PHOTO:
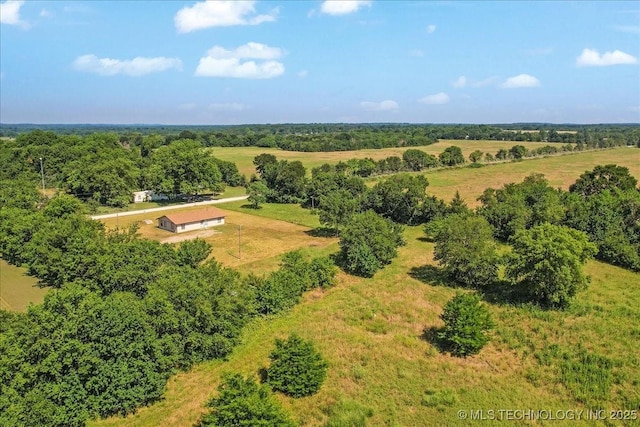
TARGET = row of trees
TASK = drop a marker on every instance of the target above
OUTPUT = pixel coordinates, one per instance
(102, 168)
(344, 136)
(126, 312)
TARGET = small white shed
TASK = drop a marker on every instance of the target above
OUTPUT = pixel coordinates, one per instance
(192, 220)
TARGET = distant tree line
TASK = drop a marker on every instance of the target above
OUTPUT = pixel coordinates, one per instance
(125, 312)
(339, 137)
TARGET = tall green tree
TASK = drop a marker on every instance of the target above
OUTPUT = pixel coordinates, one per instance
(183, 168)
(547, 260)
(258, 193)
(465, 248)
(369, 242)
(399, 198)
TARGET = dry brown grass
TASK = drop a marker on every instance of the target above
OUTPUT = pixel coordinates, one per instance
(560, 171)
(243, 156)
(260, 238)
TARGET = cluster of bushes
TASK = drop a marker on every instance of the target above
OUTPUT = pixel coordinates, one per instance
(297, 369)
(105, 169)
(283, 181)
(283, 288)
(603, 203)
(125, 314)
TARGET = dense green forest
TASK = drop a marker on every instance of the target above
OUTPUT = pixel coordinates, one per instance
(105, 169)
(339, 137)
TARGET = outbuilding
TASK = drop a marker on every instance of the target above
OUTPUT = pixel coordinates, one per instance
(148, 196)
(192, 220)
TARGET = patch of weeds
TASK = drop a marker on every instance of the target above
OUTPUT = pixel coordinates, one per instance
(588, 376)
(348, 413)
(377, 326)
(439, 398)
(358, 372)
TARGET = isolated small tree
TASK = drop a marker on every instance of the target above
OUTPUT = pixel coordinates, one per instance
(465, 248)
(466, 324)
(548, 260)
(258, 192)
(297, 369)
(518, 151)
(475, 156)
(451, 156)
(244, 403)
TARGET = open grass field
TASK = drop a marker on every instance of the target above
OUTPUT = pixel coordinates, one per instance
(372, 331)
(243, 156)
(17, 289)
(560, 171)
(377, 333)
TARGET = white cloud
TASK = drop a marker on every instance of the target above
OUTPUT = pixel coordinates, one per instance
(431, 28)
(435, 99)
(221, 62)
(592, 58)
(134, 67)
(219, 13)
(460, 82)
(418, 53)
(521, 80)
(387, 105)
(10, 12)
(235, 106)
(343, 7)
(302, 74)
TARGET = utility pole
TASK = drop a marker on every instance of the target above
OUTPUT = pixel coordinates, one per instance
(42, 175)
(239, 247)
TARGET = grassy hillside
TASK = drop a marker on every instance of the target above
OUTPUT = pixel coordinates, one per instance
(375, 334)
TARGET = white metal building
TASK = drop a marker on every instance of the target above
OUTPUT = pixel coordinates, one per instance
(192, 220)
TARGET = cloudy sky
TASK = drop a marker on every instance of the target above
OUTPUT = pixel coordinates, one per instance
(235, 62)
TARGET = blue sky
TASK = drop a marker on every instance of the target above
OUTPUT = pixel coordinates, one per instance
(220, 62)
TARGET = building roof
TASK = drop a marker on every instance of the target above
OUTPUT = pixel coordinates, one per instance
(195, 216)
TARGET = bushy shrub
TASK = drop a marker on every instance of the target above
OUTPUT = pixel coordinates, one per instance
(297, 369)
(244, 403)
(466, 323)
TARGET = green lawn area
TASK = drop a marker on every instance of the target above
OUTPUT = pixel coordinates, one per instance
(17, 289)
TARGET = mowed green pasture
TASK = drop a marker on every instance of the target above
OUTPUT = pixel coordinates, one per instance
(17, 290)
(243, 156)
(372, 332)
